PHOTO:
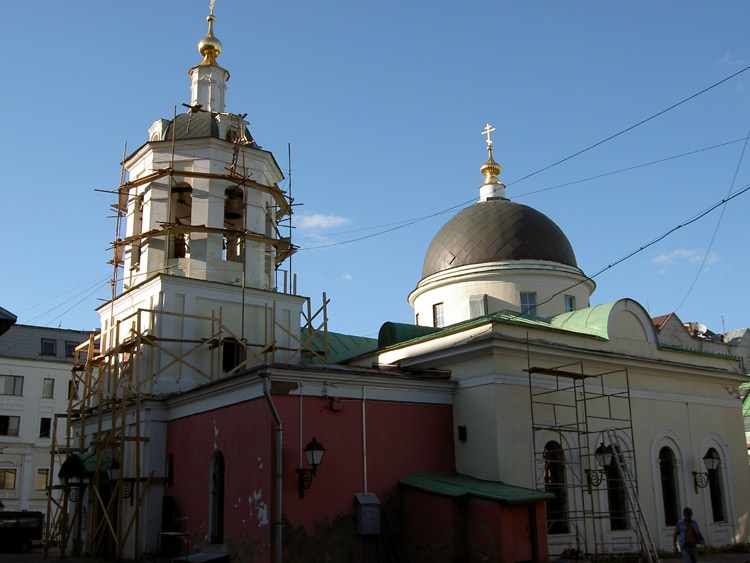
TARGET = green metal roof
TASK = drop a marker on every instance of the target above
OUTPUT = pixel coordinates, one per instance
(590, 322)
(746, 400)
(341, 347)
(455, 485)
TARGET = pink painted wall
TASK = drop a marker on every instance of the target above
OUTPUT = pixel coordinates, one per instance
(243, 435)
(441, 529)
(505, 532)
(435, 526)
(402, 438)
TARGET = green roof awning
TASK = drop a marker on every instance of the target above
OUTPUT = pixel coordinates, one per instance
(393, 333)
(455, 485)
(84, 465)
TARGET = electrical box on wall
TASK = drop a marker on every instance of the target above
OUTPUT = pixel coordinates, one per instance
(368, 514)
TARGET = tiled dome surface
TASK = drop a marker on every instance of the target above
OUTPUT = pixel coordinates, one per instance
(495, 230)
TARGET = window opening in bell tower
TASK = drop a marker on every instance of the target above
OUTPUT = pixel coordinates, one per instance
(181, 211)
(233, 223)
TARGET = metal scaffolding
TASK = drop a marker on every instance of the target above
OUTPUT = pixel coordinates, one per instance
(584, 453)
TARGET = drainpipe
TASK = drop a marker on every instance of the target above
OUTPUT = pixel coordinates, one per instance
(264, 374)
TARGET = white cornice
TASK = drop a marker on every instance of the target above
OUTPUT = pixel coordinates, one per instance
(222, 288)
(341, 384)
(477, 341)
(541, 382)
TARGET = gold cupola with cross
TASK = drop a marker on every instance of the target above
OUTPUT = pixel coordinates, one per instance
(498, 255)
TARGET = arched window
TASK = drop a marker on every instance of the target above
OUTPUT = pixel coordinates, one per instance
(554, 482)
(618, 504)
(715, 488)
(170, 470)
(668, 470)
(217, 498)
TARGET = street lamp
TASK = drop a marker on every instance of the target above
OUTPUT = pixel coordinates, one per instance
(712, 461)
(603, 457)
(313, 454)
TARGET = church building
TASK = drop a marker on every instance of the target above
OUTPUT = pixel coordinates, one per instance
(215, 413)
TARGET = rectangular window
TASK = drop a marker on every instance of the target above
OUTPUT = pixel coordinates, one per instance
(49, 347)
(9, 425)
(41, 479)
(528, 303)
(70, 349)
(7, 478)
(438, 320)
(477, 306)
(48, 388)
(11, 385)
(416, 321)
(44, 427)
(570, 303)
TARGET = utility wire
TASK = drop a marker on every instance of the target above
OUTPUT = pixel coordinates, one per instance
(76, 303)
(628, 169)
(55, 297)
(91, 288)
(648, 244)
(580, 152)
(662, 112)
(718, 224)
(408, 222)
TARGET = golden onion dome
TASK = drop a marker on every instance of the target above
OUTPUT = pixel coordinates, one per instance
(490, 169)
(210, 46)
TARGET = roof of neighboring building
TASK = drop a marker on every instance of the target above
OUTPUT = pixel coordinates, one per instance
(341, 347)
(455, 485)
(7, 320)
(661, 320)
(25, 342)
(497, 230)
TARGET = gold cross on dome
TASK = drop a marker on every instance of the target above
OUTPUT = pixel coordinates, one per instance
(487, 130)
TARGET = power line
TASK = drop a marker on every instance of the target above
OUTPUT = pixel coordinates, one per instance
(654, 116)
(651, 243)
(90, 288)
(408, 222)
(578, 153)
(718, 224)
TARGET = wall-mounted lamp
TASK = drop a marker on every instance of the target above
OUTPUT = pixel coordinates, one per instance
(314, 454)
(128, 483)
(603, 457)
(712, 461)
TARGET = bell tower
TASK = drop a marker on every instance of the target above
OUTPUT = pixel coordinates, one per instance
(201, 209)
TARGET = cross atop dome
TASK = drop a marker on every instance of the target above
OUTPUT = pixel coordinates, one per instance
(487, 130)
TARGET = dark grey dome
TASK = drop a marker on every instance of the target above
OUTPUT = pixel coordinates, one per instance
(195, 125)
(494, 230)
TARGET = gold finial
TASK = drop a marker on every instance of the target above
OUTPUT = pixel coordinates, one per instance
(210, 46)
(490, 169)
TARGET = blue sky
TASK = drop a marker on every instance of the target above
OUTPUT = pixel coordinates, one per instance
(383, 104)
